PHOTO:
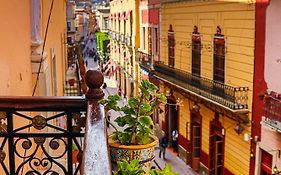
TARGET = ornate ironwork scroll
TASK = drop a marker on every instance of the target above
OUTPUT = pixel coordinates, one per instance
(41, 145)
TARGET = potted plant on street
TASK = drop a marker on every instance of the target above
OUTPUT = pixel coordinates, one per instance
(135, 140)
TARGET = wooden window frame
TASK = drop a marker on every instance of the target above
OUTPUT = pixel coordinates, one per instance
(219, 55)
(171, 47)
(196, 53)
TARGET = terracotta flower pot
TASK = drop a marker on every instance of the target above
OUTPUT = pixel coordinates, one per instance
(145, 153)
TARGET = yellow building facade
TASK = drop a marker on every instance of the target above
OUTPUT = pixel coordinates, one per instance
(124, 41)
(206, 71)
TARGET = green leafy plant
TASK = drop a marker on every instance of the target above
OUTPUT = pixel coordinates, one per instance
(135, 115)
(126, 168)
(166, 171)
(133, 168)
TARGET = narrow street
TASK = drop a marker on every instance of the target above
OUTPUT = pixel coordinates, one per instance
(91, 63)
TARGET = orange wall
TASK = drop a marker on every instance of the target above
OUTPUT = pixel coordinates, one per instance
(15, 64)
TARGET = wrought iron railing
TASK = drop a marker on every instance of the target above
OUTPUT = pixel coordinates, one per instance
(45, 135)
(128, 41)
(235, 98)
(272, 109)
(145, 60)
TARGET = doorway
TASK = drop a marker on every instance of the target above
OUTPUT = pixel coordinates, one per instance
(196, 134)
(216, 146)
(171, 118)
(196, 145)
(266, 163)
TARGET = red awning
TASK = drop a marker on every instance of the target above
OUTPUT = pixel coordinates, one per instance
(127, 14)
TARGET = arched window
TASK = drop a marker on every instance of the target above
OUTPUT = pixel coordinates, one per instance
(219, 57)
(171, 47)
(196, 52)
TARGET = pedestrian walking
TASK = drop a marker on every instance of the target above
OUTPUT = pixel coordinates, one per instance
(175, 136)
(163, 143)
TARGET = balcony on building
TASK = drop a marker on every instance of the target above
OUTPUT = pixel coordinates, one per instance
(232, 99)
(272, 110)
(145, 61)
(42, 135)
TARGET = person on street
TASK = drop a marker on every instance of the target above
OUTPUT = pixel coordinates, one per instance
(163, 143)
(175, 136)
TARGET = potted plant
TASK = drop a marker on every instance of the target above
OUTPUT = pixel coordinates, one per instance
(135, 140)
(133, 168)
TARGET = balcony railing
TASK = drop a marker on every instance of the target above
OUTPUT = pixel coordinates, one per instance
(122, 39)
(128, 41)
(54, 135)
(272, 110)
(144, 60)
(234, 98)
(117, 37)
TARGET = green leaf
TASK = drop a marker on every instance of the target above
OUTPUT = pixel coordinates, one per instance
(124, 137)
(144, 90)
(145, 121)
(114, 97)
(121, 121)
(145, 139)
(133, 102)
(166, 171)
(129, 120)
(128, 110)
(126, 168)
(145, 107)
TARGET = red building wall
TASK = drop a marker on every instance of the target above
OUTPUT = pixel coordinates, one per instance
(259, 82)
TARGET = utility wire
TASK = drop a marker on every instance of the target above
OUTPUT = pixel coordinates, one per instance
(40, 65)
(44, 43)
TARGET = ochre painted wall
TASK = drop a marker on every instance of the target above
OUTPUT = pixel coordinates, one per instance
(237, 21)
(15, 63)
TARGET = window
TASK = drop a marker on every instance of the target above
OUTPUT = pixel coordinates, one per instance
(219, 57)
(149, 40)
(119, 25)
(106, 23)
(54, 74)
(156, 40)
(124, 14)
(196, 52)
(35, 20)
(131, 23)
(171, 46)
(143, 37)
